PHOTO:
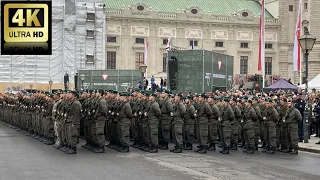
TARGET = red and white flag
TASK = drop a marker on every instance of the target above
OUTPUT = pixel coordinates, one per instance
(145, 52)
(296, 46)
(145, 58)
(168, 48)
(261, 38)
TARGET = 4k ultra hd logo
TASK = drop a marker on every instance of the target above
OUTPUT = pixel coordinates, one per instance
(26, 28)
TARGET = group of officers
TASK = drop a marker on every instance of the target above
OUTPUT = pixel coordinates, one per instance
(150, 121)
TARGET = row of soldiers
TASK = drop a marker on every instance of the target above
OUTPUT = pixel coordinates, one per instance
(51, 118)
(151, 120)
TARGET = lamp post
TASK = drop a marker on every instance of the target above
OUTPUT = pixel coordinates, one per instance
(50, 85)
(31, 86)
(82, 76)
(142, 69)
(306, 42)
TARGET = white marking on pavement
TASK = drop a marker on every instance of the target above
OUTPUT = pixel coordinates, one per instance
(189, 171)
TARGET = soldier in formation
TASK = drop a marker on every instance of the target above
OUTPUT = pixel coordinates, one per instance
(146, 120)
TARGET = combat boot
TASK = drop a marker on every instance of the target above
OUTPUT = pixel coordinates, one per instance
(199, 149)
(203, 150)
(142, 146)
(226, 151)
(242, 145)
(164, 146)
(125, 149)
(285, 150)
(135, 144)
(245, 149)
(235, 147)
(250, 150)
(99, 150)
(57, 146)
(62, 147)
(289, 150)
(72, 150)
(66, 149)
(153, 149)
(172, 150)
(212, 147)
(85, 145)
(224, 148)
(147, 148)
(271, 150)
(178, 150)
(188, 146)
(90, 146)
(51, 141)
(295, 150)
(266, 149)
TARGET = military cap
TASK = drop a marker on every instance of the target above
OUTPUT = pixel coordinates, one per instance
(226, 99)
(110, 91)
(270, 100)
(179, 95)
(154, 95)
(142, 91)
(74, 93)
(190, 97)
(238, 100)
(255, 98)
(57, 92)
(50, 95)
(167, 91)
(203, 95)
(172, 95)
(289, 100)
(245, 97)
(101, 91)
(233, 99)
(147, 94)
(284, 99)
(136, 90)
(159, 90)
(115, 92)
(249, 100)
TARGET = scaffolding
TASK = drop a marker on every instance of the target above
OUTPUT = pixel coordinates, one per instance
(70, 46)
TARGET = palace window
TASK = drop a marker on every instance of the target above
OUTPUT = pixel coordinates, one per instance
(111, 39)
(111, 59)
(268, 65)
(244, 45)
(139, 40)
(243, 64)
(139, 59)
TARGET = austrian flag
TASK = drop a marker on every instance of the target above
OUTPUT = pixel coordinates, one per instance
(296, 46)
(261, 38)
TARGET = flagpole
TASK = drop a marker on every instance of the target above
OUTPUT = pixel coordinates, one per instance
(300, 70)
(296, 47)
(168, 48)
(261, 63)
(264, 28)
